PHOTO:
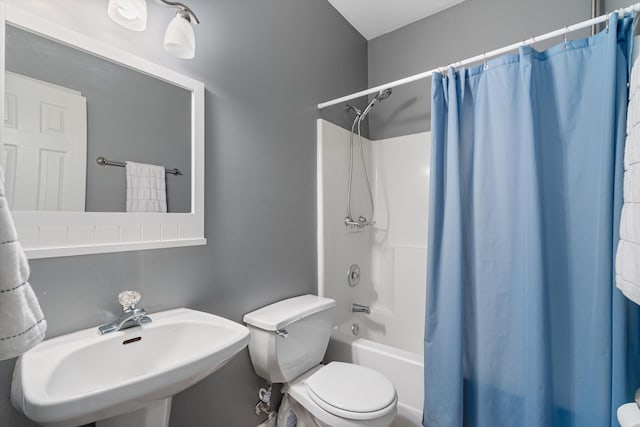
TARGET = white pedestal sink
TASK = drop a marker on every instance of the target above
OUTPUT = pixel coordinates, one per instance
(84, 377)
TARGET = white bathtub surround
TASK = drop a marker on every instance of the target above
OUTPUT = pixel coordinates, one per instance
(391, 256)
(399, 248)
(338, 249)
(22, 323)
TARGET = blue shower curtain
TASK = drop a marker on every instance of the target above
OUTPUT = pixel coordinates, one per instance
(523, 325)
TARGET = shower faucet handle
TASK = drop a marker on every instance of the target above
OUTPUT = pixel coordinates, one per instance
(353, 275)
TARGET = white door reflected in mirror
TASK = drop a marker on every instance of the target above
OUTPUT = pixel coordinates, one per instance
(45, 150)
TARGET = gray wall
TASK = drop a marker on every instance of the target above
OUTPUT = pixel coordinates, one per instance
(465, 30)
(609, 5)
(265, 65)
(130, 116)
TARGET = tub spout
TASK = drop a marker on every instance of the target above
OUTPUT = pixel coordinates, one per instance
(359, 308)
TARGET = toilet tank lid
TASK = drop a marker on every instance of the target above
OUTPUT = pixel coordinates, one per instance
(283, 313)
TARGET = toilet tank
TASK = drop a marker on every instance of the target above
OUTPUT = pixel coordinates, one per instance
(289, 337)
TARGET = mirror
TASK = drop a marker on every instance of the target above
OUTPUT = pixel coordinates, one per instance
(70, 100)
(66, 108)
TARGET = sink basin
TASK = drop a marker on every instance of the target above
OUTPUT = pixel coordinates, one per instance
(83, 376)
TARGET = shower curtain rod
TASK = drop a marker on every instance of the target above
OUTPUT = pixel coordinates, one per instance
(482, 57)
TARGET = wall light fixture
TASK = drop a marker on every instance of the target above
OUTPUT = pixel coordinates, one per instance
(131, 14)
(179, 38)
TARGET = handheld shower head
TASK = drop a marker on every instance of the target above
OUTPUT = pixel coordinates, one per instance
(362, 222)
(380, 96)
(384, 94)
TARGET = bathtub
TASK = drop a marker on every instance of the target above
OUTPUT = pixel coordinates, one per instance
(404, 369)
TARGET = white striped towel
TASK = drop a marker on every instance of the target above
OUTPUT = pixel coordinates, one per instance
(628, 254)
(146, 188)
(22, 323)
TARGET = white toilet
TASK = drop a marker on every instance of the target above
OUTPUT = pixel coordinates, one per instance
(288, 341)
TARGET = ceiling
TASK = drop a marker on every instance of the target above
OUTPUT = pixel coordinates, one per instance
(373, 18)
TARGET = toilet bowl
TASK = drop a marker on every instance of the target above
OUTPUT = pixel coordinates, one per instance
(288, 340)
(357, 396)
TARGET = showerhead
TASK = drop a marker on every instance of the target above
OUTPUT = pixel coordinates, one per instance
(380, 96)
(383, 94)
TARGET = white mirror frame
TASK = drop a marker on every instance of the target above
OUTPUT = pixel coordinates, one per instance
(55, 234)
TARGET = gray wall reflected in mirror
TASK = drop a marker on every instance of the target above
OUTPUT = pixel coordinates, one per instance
(130, 116)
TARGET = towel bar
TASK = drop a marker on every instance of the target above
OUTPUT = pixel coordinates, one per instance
(104, 162)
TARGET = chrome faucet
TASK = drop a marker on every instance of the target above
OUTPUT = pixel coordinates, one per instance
(130, 316)
(359, 308)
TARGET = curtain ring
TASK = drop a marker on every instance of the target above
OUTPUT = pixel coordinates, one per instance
(485, 66)
(607, 27)
(566, 33)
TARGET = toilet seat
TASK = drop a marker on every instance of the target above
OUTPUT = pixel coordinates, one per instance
(351, 391)
(300, 396)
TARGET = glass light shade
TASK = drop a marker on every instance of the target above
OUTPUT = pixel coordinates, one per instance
(179, 39)
(131, 14)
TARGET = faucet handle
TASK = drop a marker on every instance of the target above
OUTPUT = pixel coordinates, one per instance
(129, 299)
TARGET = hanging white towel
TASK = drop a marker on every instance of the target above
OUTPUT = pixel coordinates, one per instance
(22, 323)
(628, 254)
(146, 188)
